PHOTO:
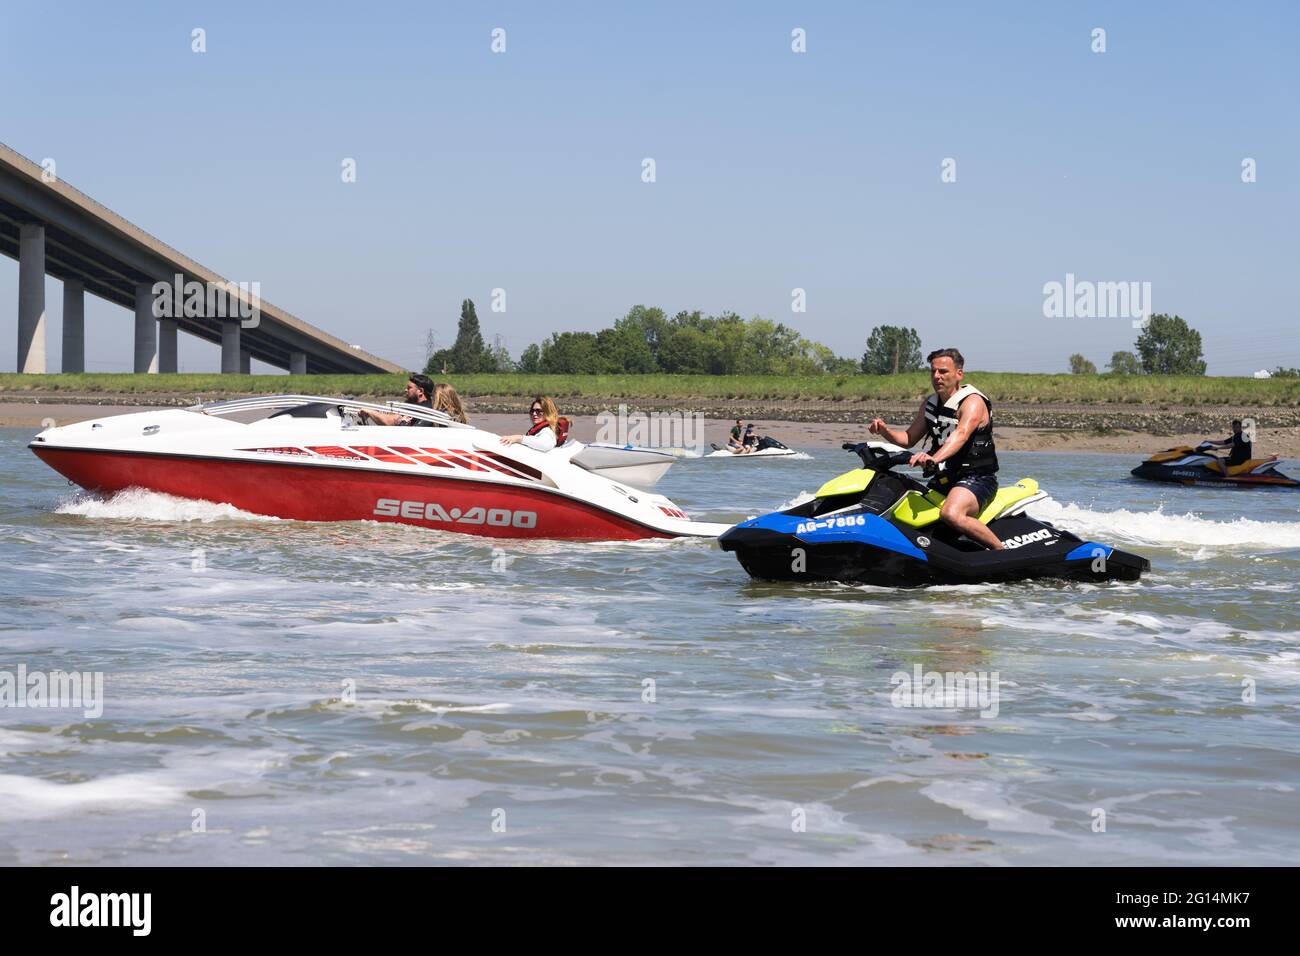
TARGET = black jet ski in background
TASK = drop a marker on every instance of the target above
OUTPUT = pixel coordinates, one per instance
(875, 526)
(1200, 466)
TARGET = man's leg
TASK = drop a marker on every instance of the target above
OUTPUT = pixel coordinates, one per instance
(960, 509)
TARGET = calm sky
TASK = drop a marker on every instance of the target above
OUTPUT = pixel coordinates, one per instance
(775, 170)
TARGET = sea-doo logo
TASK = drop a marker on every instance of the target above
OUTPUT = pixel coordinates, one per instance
(923, 541)
(432, 511)
(1022, 539)
(852, 521)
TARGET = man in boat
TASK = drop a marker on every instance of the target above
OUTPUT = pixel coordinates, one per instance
(1242, 450)
(958, 420)
(419, 391)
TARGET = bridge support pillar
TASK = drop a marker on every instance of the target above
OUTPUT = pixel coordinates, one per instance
(230, 350)
(245, 363)
(297, 363)
(31, 298)
(74, 325)
(167, 345)
(146, 330)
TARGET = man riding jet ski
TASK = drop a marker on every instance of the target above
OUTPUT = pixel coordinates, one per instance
(875, 527)
(1201, 466)
(958, 420)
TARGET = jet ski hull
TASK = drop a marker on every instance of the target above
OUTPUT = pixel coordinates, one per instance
(1203, 477)
(868, 549)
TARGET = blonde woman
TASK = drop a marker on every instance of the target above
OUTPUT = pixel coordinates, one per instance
(548, 428)
(446, 400)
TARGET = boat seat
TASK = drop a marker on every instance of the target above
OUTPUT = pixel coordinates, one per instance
(919, 510)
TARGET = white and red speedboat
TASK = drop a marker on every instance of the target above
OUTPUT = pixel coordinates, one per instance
(309, 459)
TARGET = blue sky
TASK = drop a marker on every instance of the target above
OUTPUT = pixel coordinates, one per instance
(775, 170)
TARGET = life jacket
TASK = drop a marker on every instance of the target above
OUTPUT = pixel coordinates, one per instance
(1241, 449)
(561, 429)
(978, 454)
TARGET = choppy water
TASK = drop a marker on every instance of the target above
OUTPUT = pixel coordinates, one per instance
(381, 694)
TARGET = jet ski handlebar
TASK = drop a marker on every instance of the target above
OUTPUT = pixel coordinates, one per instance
(877, 459)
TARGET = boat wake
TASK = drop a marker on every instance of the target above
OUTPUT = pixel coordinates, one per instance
(136, 504)
(1159, 528)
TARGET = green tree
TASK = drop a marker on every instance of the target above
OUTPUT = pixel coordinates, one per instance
(570, 353)
(468, 354)
(530, 360)
(1081, 366)
(1124, 363)
(1169, 346)
(439, 363)
(892, 349)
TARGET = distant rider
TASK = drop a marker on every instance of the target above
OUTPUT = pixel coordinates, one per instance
(1242, 450)
(958, 420)
(548, 428)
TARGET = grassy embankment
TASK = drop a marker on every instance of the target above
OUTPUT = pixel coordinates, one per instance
(1000, 386)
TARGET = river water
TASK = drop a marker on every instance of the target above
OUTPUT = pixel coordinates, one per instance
(279, 692)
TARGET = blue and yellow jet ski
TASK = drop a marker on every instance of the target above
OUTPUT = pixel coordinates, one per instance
(874, 526)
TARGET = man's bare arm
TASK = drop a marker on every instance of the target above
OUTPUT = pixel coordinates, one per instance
(904, 439)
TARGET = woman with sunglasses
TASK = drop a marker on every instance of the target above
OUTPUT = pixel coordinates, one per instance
(548, 428)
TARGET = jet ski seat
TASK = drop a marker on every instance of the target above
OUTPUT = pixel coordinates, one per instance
(919, 510)
(1244, 468)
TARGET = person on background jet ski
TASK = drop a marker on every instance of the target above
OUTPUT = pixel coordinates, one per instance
(958, 420)
(733, 440)
(1242, 450)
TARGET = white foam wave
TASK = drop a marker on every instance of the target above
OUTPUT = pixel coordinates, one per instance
(1158, 528)
(136, 504)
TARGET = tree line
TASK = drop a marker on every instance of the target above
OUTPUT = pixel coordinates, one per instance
(647, 341)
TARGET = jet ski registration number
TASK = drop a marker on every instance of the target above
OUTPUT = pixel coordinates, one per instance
(852, 521)
(432, 511)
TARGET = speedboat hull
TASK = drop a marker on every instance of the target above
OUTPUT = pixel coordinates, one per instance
(319, 468)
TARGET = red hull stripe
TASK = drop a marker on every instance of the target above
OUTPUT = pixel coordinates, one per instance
(321, 492)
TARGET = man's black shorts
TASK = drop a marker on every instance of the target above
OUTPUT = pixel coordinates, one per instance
(983, 485)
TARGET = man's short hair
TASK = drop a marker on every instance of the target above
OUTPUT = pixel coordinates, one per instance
(423, 383)
(1236, 423)
(953, 354)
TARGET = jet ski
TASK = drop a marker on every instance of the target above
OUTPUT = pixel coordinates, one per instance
(767, 448)
(310, 459)
(876, 526)
(1200, 466)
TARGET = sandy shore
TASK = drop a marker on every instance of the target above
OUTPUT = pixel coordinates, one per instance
(1069, 429)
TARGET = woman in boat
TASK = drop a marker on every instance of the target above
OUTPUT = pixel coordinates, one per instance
(446, 400)
(548, 428)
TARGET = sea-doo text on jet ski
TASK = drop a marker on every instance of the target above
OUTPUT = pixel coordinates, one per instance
(873, 526)
(311, 461)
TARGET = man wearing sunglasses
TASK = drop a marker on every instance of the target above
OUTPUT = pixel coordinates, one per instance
(419, 391)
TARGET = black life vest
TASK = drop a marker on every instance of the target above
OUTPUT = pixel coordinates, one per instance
(1241, 449)
(978, 455)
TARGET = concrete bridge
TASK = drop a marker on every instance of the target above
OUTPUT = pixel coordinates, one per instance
(49, 227)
